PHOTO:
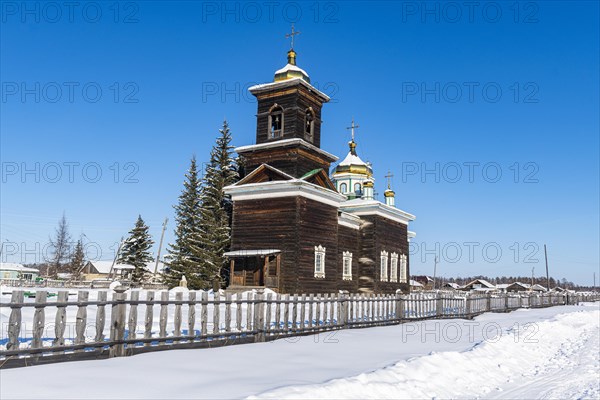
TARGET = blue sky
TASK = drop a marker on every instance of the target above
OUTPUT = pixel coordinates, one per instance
(488, 117)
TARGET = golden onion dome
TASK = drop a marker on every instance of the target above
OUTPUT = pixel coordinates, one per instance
(353, 164)
(291, 70)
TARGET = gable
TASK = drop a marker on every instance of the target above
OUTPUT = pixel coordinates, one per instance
(264, 173)
(320, 178)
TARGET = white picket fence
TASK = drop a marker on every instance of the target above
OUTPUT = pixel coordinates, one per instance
(78, 329)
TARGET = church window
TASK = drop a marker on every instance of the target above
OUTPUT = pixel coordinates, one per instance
(403, 274)
(343, 188)
(319, 261)
(383, 266)
(394, 267)
(347, 266)
(357, 188)
(309, 125)
(275, 122)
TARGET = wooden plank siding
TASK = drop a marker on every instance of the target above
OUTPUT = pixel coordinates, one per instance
(348, 240)
(294, 102)
(317, 226)
(268, 224)
(392, 237)
(292, 160)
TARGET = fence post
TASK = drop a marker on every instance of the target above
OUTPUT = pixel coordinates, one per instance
(488, 302)
(117, 332)
(39, 319)
(259, 316)
(399, 305)
(439, 305)
(468, 304)
(342, 309)
(14, 321)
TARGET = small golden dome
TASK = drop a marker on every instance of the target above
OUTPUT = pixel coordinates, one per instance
(291, 70)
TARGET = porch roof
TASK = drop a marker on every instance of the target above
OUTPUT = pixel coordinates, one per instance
(251, 253)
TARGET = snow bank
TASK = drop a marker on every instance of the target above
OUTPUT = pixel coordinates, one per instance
(551, 352)
(558, 358)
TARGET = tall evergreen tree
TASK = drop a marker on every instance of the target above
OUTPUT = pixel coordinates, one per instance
(185, 255)
(216, 207)
(77, 259)
(136, 249)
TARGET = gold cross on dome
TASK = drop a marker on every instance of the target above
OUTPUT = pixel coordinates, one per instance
(291, 35)
(389, 177)
(352, 128)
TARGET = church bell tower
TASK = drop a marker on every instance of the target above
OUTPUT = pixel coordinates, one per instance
(288, 122)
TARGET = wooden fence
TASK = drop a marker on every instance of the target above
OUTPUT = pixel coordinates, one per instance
(166, 320)
(58, 283)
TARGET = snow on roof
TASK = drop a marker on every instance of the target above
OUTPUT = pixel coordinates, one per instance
(352, 159)
(16, 267)
(251, 252)
(290, 67)
(537, 286)
(452, 285)
(104, 266)
(415, 283)
(521, 284)
(483, 282)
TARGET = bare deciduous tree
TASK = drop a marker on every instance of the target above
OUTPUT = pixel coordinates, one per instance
(60, 246)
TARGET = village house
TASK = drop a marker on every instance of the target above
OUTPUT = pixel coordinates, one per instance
(478, 285)
(104, 269)
(424, 280)
(17, 271)
(295, 227)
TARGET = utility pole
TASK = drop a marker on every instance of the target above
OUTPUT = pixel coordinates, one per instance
(116, 255)
(434, 271)
(2, 248)
(594, 287)
(162, 235)
(547, 276)
(532, 272)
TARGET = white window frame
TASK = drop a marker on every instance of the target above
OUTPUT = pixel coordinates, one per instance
(347, 261)
(403, 270)
(275, 110)
(394, 267)
(383, 266)
(319, 267)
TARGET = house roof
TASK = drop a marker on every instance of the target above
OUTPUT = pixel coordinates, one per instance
(452, 285)
(415, 283)
(104, 266)
(482, 282)
(522, 285)
(16, 267)
(250, 253)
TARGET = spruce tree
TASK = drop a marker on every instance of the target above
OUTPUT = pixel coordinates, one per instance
(77, 259)
(216, 207)
(185, 255)
(136, 250)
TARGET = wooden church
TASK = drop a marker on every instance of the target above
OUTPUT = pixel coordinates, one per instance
(295, 227)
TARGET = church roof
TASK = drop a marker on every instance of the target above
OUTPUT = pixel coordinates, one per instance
(291, 71)
(353, 163)
(292, 82)
(361, 206)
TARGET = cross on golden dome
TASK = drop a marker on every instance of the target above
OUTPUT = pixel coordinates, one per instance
(389, 177)
(291, 35)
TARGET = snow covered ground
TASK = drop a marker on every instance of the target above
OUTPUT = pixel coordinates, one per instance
(538, 353)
